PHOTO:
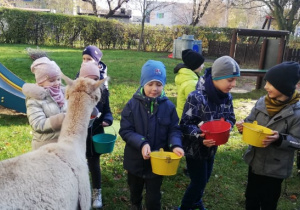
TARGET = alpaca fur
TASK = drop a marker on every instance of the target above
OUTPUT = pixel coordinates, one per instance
(55, 176)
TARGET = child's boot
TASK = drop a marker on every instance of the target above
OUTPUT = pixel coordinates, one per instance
(97, 198)
(136, 207)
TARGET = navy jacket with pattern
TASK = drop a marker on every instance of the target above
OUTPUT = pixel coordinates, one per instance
(199, 109)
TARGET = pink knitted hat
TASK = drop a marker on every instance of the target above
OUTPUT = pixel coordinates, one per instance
(44, 69)
(89, 69)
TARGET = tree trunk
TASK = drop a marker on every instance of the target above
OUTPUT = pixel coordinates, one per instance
(94, 8)
(141, 41)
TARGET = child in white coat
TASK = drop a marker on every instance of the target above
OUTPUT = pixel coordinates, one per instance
(45, 102)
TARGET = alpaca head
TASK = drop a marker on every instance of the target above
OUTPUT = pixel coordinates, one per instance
(85, 87)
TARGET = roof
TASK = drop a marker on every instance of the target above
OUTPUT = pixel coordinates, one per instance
(261, 32)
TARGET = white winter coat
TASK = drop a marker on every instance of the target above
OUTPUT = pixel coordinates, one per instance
(44, 115)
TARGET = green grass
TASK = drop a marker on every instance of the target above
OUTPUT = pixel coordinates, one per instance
(228, 181)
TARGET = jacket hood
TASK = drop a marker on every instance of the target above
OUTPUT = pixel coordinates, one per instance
(179, 66)
(34, 91)
(185, 74)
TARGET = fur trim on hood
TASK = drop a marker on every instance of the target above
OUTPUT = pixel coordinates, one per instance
(34, 91)
(178, 67)
(37, 92)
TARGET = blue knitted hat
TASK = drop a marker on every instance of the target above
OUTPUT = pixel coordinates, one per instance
(153, 71)
(94, 52)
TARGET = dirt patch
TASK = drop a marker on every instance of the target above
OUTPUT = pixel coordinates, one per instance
(245, 107)
(6, 111)
(244, 84)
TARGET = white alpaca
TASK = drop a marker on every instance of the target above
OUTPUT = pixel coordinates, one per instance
(56, 175)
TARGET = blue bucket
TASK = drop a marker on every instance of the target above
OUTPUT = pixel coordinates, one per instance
(104, 142)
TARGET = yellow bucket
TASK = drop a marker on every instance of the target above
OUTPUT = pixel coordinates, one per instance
(164, 163)
(254, 134)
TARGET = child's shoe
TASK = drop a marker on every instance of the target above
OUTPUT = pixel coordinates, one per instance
(180, 208)
(136, 207)
(97, 198)
(199, 205)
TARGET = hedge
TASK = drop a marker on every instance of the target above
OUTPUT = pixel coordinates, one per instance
(38, 28)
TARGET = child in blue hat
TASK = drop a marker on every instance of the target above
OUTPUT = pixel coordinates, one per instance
(148, 122)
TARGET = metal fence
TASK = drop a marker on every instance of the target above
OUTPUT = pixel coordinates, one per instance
(292, 54)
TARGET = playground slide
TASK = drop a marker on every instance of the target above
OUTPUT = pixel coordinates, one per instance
(11, 95)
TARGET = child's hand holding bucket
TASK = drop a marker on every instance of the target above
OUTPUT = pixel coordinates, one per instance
(207, 142)
(270, 139)
(178, 151)
(146, 151)
(105, 124)
(239, 125)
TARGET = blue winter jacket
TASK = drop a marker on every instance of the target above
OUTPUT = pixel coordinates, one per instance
(198, 108)
(147, 120)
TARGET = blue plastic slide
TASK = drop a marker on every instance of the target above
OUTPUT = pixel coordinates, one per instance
(11, 95)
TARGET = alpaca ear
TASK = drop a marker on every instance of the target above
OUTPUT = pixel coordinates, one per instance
(67, 79)
(98, 83)
(67, 93)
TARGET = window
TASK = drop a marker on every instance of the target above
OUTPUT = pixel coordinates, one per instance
(160, 15)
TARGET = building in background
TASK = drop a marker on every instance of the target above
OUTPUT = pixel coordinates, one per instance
(176, 13)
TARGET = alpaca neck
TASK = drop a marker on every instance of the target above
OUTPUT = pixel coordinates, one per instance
(75, 125)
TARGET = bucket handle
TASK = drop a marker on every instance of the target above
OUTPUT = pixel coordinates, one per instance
(112, 128)
(168, 159)
(260, 131)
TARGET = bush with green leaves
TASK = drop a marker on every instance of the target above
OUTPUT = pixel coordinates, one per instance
(29, 27)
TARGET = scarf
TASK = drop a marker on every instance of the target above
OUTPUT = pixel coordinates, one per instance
(213, 94)
(274, 106)
(57, 95)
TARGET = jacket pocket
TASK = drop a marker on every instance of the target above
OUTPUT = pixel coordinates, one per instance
(163, 126)
(277, 165)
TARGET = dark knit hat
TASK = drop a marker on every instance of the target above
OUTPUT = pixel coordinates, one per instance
(192, 59)
(284, 77)
(225, 67)
(94, 52)
(153, 71)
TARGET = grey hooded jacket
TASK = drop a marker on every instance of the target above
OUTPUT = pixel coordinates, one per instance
(275, 160)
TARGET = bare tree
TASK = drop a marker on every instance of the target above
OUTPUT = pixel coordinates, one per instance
(190, 13)
(113, 6)
(146, 7)
(286, 12)
(113, 10)
(199, 9)
(94, 6)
